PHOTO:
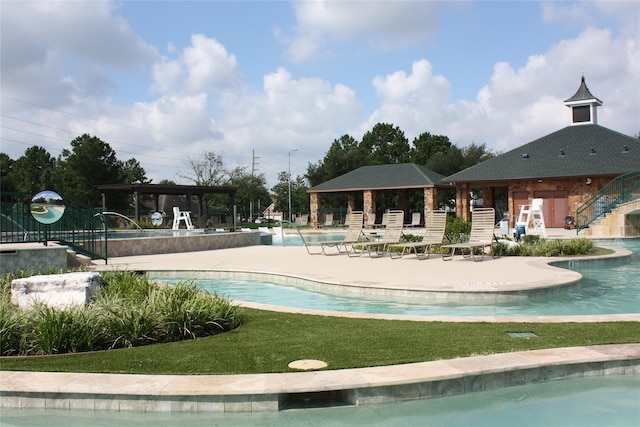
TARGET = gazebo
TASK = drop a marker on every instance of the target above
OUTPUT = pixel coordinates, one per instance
(369, 180)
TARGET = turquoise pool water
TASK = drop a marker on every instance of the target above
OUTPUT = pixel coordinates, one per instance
(608, 287)
(590, 401)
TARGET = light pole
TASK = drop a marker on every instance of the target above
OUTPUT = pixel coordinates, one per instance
(289, 181)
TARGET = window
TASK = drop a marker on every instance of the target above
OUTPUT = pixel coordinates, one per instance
(581, 114)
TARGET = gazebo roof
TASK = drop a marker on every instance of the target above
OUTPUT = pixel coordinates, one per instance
(578, 150)
(381, 177)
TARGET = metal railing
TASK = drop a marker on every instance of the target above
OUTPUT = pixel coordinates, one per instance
(622, 189)
(78, 228)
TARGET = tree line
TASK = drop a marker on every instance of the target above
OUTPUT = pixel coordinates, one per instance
(90, 162)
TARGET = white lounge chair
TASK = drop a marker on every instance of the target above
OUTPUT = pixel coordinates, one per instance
(328, 220)
(435, 224)
(392, 233)
(415, 220)
(354, 234)
(178, 216)
(481, 236)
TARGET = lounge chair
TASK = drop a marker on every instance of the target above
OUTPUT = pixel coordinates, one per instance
(354, 233)
(328, 220)
(391, 235)
(481, 236)
(435, 224)
(415, 220)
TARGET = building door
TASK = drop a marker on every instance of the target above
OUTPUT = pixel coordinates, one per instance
(519, 198)
(555, 206)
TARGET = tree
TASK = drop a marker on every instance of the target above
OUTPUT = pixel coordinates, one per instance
(385, 144)
(299, 196)
(474, 154)
(89, 163)
(133, 173)
(206, 169)
(34, 171)
(252, 191)
(427, 146)
(7, 180)
(344, 155)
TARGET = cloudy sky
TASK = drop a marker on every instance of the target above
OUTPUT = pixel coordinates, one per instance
(164, 81)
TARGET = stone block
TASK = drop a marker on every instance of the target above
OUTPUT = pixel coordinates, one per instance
(55, 290)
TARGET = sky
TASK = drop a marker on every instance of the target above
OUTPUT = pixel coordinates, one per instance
(269, 85)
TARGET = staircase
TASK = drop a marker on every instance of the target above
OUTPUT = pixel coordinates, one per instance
(622, 221)
(621, 191)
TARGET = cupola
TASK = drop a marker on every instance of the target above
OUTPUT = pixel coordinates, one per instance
(583, 106)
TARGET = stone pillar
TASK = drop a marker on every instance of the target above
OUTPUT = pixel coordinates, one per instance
(351, 202)
(369, 206)
(430, 200)
(315, 208)
(487, 197)
(463, 209)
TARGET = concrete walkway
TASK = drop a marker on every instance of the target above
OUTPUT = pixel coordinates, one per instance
(460, 278)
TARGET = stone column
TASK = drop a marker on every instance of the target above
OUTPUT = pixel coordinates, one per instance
(351, 202)
(430, 200)
(369, 205)
(487, 197)
(315, 208)
(462, 202)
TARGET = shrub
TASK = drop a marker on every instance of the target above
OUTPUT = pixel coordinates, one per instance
(457, 228)
(129, 310)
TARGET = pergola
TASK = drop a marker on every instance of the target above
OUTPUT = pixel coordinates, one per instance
(163, 189)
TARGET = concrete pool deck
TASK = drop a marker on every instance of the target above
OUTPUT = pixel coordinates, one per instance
(263, 392)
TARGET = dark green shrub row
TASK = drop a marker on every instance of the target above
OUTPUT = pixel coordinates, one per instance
(128, 311)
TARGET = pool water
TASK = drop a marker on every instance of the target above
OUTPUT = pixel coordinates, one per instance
(609, 286)
(589, 401)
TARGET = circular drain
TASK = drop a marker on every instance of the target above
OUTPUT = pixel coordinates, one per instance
(307, 364)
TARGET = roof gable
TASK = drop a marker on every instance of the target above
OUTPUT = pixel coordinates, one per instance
(381, 177)
(573, 151)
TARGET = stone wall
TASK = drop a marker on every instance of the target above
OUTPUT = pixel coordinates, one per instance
(33, 257)
(180, 243)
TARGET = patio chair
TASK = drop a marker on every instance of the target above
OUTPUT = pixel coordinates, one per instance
(328, 220)
(435, 224)
(415, 220)
(391, 235)
(481, 236)
(178, 216)
(354, 233)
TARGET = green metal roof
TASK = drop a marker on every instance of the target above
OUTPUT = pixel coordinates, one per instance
(583, 94)
(578, 150)
(381, 177)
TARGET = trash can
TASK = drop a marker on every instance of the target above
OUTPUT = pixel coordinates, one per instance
(504, 227)
(521, 230)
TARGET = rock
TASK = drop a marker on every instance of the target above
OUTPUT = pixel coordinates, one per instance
(55, 290)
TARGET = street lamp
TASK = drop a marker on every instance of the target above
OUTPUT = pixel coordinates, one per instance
(289, 179)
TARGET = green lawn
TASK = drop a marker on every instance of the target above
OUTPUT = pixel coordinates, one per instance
(268, 341)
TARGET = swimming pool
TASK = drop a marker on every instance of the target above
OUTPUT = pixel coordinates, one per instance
(589, 401)
(608, 287)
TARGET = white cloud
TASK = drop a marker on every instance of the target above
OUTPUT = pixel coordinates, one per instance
(382, 24)
(205, 65)
(66, 42)
(519, 105)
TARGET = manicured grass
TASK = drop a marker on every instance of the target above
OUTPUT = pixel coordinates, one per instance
(268, 341)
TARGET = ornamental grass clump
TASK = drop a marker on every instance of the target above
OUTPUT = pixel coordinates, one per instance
(129, 310)
(536, 246)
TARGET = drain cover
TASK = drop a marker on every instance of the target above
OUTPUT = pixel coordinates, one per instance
(307, 364)
(521, 334)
